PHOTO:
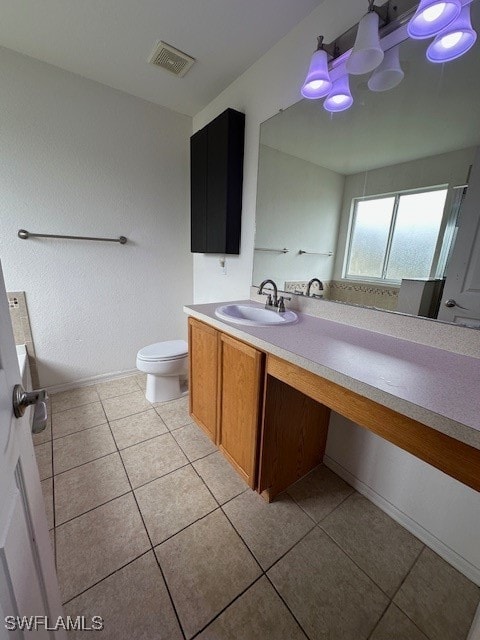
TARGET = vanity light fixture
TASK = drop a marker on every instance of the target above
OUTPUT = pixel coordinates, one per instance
(458, 38)
(367, 54)
(432, 16)
(389, 74)
(317, 83)
(340, 97)
(359, 51)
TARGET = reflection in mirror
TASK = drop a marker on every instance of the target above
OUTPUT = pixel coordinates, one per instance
(373, 201)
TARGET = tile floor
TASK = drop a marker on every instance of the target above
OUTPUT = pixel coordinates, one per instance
(157, 534)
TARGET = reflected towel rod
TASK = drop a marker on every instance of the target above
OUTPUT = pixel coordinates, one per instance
(272, 250)
(24, 235)
(314, 253)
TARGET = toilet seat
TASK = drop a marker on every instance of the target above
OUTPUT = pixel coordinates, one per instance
(163, 351)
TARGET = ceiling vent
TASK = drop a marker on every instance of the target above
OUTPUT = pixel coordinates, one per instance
(171, 59)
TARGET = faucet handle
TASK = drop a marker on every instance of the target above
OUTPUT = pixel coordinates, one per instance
(281, 303)
(269, 300)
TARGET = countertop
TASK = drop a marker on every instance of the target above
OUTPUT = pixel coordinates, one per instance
(436, 387)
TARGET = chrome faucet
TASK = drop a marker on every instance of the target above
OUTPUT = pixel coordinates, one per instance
(309, 285)
(271, 302)
(276, 302)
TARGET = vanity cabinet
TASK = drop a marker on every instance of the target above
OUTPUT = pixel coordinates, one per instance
(241, 385)
(270, 417)
(270, 433)
(203, 364)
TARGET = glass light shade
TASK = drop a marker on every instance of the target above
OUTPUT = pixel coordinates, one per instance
(317, 83)
(455, 40)
(389, 74)
(340, 97)
(432, 16)
(367, 53)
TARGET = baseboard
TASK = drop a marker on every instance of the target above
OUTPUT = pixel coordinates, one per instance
(85, 382)
(444, 551)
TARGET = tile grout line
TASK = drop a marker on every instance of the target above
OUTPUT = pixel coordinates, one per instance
(286, 605)
(73, 433)
(410, 570)
(107, 421)
(327, 514)
(217, 615)
(206, 485)
(94, 387)
(109, 575)
(378, 622)
(354, 562)
(150, 541)
(401, 585)
(102, 504)
(196, 460)
(118, 451)
(219, 507)
(264, 571)
(205, 515)
(290, 548)
(82, 464)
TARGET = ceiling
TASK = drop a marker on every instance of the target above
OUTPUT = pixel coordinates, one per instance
(434, 110)
(110, 40)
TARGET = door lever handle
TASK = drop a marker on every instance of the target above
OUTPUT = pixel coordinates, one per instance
(451, 303)
(23, 399)
(40, 417)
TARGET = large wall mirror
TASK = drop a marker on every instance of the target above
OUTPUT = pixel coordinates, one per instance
(371, 201)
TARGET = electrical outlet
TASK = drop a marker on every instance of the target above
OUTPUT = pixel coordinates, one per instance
(13, 303)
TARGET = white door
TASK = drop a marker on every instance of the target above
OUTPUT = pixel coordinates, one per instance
(461, 295)
(28, 582)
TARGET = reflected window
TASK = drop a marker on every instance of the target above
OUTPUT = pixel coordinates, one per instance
(396, 236)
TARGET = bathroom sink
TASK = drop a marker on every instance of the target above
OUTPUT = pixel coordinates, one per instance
(254, 316)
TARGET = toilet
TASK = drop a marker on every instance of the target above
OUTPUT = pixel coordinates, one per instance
(165, 364)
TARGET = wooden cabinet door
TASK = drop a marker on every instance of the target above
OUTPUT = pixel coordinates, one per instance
(203, 363)
(216, 174)
(241, 374)
(198, 191)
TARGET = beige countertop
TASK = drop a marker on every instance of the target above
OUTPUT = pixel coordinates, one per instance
(438, 388)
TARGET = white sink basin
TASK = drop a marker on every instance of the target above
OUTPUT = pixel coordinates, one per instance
(254, 316)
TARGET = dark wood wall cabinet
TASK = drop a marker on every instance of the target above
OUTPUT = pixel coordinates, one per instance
(216, 174)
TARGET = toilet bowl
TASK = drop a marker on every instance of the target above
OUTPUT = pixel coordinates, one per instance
(165, 364)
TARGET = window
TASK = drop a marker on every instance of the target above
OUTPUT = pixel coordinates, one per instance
(396, 236)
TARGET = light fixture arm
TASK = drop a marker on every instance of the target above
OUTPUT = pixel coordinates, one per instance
(382, 12)
(393, 14)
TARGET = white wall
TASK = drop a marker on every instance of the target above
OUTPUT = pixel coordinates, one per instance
(446, 168)
(80, 158)
(298, 207)
(441, 511)
(270, 84)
